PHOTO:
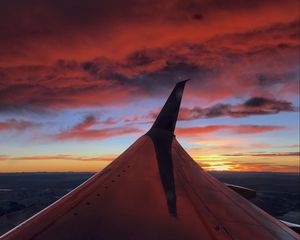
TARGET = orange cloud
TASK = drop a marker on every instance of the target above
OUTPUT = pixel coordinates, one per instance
(54, 163)
(59, 157)
(275, 154)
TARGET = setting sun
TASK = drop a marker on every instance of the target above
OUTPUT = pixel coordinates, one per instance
(219, 168)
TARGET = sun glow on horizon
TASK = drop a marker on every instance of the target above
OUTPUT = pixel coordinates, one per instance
(249, 163)
(211, 162)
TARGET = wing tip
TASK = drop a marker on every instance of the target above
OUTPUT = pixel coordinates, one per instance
(167, 118)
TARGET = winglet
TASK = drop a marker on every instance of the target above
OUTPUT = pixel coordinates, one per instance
(167, 118)
(162, 134)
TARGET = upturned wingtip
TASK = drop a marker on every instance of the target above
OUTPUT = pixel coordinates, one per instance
(167, 118)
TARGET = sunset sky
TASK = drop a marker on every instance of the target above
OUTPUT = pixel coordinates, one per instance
(81, 80)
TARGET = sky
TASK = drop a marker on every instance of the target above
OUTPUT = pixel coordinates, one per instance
(81, 80)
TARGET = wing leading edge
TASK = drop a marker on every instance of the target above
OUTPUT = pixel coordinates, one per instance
(154, 190)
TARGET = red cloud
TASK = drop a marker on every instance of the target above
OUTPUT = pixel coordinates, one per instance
(14, 124)
(46, 30)
(96, 134)
(240, 129)
(88, 122)
(111, 59)
(85, 131)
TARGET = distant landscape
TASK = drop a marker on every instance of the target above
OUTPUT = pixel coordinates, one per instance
(24, 194)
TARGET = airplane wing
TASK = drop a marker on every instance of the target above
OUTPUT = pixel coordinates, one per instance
(154, 190)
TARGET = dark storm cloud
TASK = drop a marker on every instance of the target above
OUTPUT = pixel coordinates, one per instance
(270, 103)
(267, 79)
(253, 106)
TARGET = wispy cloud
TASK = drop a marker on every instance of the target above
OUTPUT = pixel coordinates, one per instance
(235, 129)
(61, 157)
(88, 130)
(18, 125)
(266, 154)
(253, 106)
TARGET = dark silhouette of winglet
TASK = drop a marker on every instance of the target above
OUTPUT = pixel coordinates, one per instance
(167, 118)
(162, 134)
